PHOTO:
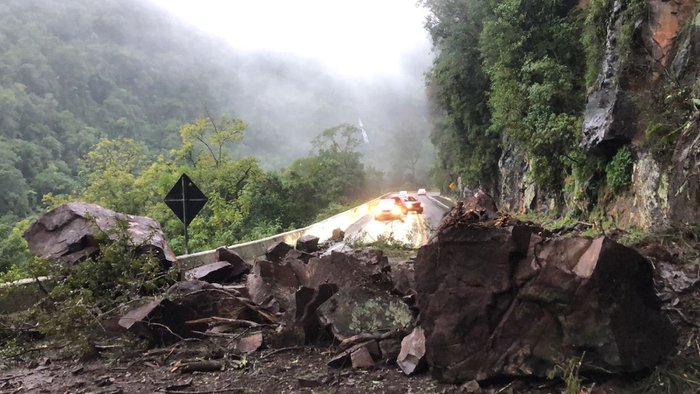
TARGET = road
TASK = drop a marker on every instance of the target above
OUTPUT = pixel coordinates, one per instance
(415, 229)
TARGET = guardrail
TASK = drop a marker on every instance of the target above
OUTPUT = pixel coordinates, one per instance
(21, 294)
(442, 201)
(250, 250)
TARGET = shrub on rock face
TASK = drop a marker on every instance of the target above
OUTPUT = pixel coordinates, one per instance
(506, 302)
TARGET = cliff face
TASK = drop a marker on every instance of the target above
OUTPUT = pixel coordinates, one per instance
(633, 94)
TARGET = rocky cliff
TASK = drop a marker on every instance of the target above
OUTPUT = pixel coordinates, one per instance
(644, 99)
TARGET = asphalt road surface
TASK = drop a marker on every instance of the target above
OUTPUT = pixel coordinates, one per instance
(415, 229)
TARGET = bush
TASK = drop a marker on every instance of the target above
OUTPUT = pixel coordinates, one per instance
(594, 36)
(618, 172)
(387, 243)
(89, 291)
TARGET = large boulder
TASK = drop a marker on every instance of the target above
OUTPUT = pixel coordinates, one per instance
(217, 272)
(274, 285)
(240, 267)
(73, 232)
(276, 252)
(501, 302)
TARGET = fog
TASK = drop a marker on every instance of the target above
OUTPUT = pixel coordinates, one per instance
(364, 65)
(75, 71)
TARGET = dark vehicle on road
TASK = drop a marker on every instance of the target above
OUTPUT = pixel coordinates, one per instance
(390, 208)
(412, 204)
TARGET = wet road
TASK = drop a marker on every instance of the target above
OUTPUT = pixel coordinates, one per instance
(415, 229)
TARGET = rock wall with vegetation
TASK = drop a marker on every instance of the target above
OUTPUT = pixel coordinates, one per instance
(584, 109)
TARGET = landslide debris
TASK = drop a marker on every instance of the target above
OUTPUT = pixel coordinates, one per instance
(73, 232)
(489, 303)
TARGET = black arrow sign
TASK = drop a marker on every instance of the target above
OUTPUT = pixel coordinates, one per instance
(185, 200)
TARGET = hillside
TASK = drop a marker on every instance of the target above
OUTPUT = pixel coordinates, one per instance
(77, 71)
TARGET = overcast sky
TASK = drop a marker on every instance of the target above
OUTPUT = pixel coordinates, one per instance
(356, 38)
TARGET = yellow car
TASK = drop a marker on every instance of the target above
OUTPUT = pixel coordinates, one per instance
(390, 208)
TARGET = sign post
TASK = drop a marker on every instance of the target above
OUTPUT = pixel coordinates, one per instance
(185, 200)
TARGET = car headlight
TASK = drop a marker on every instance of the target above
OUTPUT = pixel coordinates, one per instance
(396, 210)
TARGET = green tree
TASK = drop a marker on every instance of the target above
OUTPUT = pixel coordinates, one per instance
(334, 175)
(111, 169)
(458, 89)
(13, 248)
(344, 138)
(212, 135)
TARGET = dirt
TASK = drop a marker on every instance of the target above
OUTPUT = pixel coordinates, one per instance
(268, 371)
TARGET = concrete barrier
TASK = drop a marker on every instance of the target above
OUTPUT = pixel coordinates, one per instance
(250, 250)
(22, 294)
(442, 201)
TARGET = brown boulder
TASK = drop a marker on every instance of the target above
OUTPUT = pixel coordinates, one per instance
(74, 231)
(240, 267)
(307, 243)
(276, 252)
(348, 270)
(307, 302)
(218, 272)
(482, 203)
(274, 285)
(504, 302)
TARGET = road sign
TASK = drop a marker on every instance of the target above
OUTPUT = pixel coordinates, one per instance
(186, 200)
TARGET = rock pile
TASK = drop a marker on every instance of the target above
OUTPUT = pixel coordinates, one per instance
(305, 296)
(489, 297)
